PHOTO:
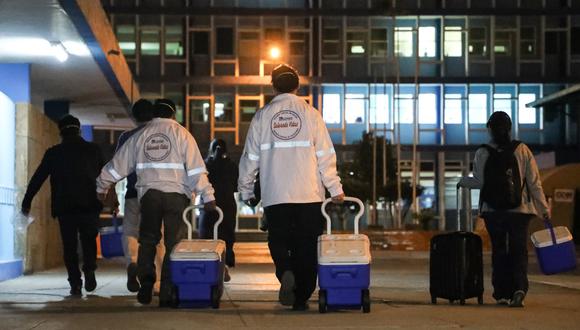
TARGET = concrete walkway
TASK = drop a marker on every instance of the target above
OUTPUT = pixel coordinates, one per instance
(399, 292)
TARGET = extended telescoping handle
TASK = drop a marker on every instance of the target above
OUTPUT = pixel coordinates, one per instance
(550, 228)
(356, 217)
(191, 225)
(468, 221)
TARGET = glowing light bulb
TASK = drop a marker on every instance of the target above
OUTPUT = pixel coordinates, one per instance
(275, 52)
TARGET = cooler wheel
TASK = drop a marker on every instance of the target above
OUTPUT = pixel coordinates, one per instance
(366, 301)
(215, 297)
(322, 302)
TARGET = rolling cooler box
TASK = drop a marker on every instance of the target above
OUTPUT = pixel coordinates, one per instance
(456, 263)
(555, 249)
(344, 265)
(197, 267)
(112, 239)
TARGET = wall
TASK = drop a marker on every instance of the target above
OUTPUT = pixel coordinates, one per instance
(34, 134)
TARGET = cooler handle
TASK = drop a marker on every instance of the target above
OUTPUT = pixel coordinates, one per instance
(115, 222)
(190, 226)
(550, 228)
(356, 217)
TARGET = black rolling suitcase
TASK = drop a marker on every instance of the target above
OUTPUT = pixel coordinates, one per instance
(456, 264)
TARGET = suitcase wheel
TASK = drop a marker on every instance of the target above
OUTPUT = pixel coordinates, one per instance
(322, 302)
(434, 300)
(480, 300)
(366, 301)
(215, 297)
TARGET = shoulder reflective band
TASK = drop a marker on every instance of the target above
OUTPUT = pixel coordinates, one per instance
(196, 171)
(115, 174)
(286, 144)
(163, 166)
(321, 153)
(253, 157)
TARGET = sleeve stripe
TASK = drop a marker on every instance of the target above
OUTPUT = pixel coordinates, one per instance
(253, 157)
(321, 153)
(196, 171)
(115, 174)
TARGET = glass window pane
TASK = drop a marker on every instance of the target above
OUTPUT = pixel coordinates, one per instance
(174, 41)
(331, 112)
(477, 108)
(427, 42)
(453, 42)
(354, 108)
(224, 108)
(379, 109)
(427, 108)
(526, 115)
(404, 107)
(502, 102)
(453, 109)
(126, 37)
(150, 42)
(200, 44)
(403, 42)
(248, 108)
(199, 111)
(224, 41)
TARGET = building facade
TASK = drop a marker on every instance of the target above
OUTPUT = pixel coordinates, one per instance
(426, 74)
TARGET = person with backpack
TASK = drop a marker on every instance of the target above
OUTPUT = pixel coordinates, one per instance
(511, 196)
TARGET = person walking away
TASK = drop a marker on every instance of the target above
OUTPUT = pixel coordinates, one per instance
(142, 111)
(169, 170)
(511, 196)
(73, 165)
(289, 144)
(223, 175)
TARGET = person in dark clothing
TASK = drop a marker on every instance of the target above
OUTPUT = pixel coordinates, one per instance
(73, 167)
(223, 175)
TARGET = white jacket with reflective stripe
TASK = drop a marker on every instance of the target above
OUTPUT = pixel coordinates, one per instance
(165, 157)
(289, 145)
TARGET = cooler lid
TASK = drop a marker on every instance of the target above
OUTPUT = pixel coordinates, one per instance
(344, 249)
(543, 238)
(198, 249)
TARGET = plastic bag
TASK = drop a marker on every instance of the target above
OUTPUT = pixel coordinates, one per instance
(21, 221)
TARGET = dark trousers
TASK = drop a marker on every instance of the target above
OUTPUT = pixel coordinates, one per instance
(226, 231)
(159, 208)
(73, 227)
(509, 235)
(292, 238)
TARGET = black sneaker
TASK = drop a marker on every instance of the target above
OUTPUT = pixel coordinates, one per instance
(90, 281)
(518, 299)
(300, 306)
(76, 290)
(286, 294)
(132, 282)
(145, 294)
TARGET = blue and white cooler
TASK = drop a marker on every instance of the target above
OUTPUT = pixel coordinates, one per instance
(112, 239)
(344, 266)
(555, 249)
(197, 266)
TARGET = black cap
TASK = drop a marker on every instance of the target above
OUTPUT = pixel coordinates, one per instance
(499, 119)
(164, 108)
(69, 122)
(285, 78)
(142, 110)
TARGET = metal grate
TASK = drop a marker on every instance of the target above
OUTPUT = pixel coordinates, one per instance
(7, 196)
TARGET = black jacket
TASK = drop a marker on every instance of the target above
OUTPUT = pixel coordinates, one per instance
(73, 167)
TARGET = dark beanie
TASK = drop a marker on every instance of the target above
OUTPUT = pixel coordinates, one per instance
(164, 108)
(142, 111)
(285, 78)
(500, 119)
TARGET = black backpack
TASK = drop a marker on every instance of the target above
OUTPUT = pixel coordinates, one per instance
(502, 184)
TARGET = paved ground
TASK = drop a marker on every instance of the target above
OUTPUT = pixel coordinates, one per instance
(399, 292)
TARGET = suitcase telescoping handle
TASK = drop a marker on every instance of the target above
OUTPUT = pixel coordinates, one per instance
(191, 225)
(468, 222)
(357, 217)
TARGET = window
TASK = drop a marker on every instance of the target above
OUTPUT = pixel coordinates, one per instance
(503, 43)
(502, 102)
(575, 40)
(199, 110)
(379, 109)
(526, 115)
(298, 42)
(248, 43)
(427, 108)
(478, 41)
(453, 109)
(379, 42)
(528, 41)
(427, 42)
(126, 37)
(331, 43)
(224, 41)
(404, 108)
(477, 108)
(247, 109)
(200, 43)
(453, 41)
(224, 108)
(174, 41)
(331, 111)
(354, 112)
(150, 42)
(403, 42)
(355, 43)
(273, 34)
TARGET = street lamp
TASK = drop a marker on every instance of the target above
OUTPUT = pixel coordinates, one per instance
(275, 53)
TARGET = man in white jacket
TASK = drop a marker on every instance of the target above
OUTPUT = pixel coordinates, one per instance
(289, 144)
(169, 170)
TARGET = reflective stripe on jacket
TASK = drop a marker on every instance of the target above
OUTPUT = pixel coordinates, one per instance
(165, 157)
(289, 144)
